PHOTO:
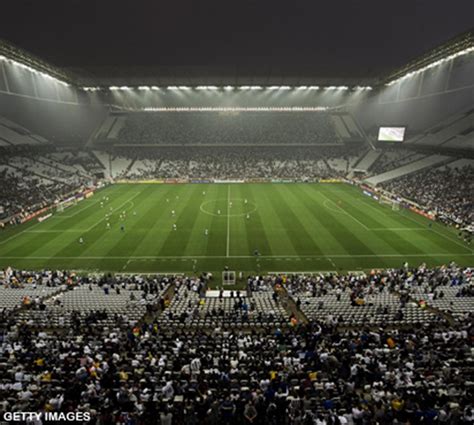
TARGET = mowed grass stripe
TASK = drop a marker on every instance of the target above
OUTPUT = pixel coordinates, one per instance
(51, 243)
(238, 221)
(342, 227)
(198, 242)
(342, 241)
(174, 241)
(445, 233)
(216, 240)
(330, 226)
(296, 233)
(93, 239)
(420, 234)
(311, 210)
(257, 237)
(87, 216)
(140, 228)
(386, 241)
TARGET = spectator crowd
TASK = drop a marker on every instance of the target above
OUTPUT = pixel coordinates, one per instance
(447, 192)
(228, 128)
(314, 372)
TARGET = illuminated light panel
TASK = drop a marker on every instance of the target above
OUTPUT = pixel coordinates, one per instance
(432, 65)
(236, 109)
(33, 70)
(143, 88)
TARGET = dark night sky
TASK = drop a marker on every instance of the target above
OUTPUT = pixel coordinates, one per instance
(354, 35)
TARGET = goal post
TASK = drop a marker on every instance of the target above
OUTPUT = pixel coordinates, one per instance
(62, 205)
(228, 277)
(394, 204)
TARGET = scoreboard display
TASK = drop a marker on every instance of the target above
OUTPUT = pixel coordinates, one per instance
(391, 134)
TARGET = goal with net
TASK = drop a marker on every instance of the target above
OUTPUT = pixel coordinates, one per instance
(228, 277)
(394, 204)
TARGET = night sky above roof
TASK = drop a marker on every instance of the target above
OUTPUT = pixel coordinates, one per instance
(350, 37)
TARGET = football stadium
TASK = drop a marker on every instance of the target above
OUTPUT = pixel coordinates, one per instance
(234, 220)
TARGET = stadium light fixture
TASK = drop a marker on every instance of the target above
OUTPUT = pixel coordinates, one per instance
(302, 88)
(143, 88)
(228, 87)
(279, 88)
(432, 65)
(172, 87)
(255, 87)
(235, 109)
(206, 88)
(113, 88)
(244, 87)
(184, 88)
(313, 88)
(33, 70)
(155, 88)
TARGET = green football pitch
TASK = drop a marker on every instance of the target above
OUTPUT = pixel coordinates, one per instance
(292, 227)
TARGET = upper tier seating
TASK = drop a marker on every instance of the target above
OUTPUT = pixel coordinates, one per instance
(212, 128)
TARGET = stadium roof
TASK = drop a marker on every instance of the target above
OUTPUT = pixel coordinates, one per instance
(239, 76)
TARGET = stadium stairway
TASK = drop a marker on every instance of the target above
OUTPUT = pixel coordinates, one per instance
(291, 306)
(413, 167)
(456, 131)
(367, 160)
(37, 174)
(103, 158)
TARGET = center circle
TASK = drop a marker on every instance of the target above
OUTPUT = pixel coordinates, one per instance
(250, 204)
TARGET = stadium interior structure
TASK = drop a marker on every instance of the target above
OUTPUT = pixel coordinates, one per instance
(204, 247)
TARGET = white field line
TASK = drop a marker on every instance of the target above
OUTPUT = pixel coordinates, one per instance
(115, 209)
(343, 211)
(228, 222)
(19, 233)
(441, 234)
(57, 231)
(164, 257)
(65, 231)
(398, 229)
(84, 207)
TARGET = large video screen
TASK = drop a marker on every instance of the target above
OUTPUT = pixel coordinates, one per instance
(391, 134)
